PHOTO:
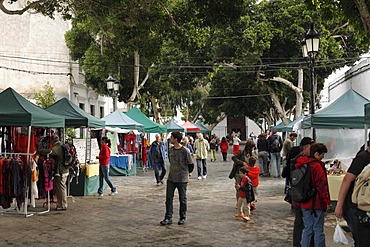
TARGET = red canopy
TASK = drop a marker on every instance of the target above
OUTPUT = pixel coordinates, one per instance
(190, 126)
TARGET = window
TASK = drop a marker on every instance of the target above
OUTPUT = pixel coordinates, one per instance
(82, 106)
(92, 110)
(101, 112)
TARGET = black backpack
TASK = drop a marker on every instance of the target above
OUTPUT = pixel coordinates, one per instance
(70, 155)
(275, 145)
(301, 186)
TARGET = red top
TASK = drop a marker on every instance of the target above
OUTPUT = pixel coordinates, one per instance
(319, 182)
(104, 155)
(224, 147)
(243, 183)
(253, 173)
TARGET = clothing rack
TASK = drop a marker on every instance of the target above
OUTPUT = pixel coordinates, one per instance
(26, 214)
(25, 208)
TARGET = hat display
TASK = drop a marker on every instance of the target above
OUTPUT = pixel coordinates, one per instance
(306, 141)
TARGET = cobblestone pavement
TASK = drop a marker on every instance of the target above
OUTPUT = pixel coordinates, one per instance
(131, 218)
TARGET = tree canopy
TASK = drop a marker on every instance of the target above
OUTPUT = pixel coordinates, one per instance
(210, 57)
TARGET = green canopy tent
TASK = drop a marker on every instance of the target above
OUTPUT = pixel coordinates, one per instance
(119, 120)
(149, 125)
(74, 115)
(340, 125)
(281, 127)
(16, 111)
(203, 129)
(172, 126)
(345, 112)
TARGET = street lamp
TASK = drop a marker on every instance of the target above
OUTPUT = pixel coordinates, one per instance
(113, 88)
(310, 49)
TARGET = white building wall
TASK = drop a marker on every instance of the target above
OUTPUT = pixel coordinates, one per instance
(33, 52)
(356, 78)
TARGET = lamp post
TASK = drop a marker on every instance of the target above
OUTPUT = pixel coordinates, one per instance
(310, 49)
(113, 88)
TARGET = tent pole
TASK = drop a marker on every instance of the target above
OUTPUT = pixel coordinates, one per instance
(366, 130)
(28, 160)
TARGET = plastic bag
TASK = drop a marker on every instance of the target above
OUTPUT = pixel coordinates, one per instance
(339, 236)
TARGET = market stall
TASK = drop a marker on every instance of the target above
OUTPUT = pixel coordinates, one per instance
(122, 130)
(149, 125)
(203, 129)
(87, 181)
(340, 126)
(172, 127)
(18, 118)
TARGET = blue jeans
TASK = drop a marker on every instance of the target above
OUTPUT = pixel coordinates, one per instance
(275, 164)
(104, 174)
(262, 161)
(201, 162)
(313, 225)
(170, 191)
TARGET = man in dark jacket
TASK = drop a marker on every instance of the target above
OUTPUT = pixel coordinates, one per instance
(275, 146)
(157, 159)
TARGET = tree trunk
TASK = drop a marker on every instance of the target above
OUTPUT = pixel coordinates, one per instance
(280, 110)
(156, 112)
(298, 94)
(298, 90)
(364, 14)
(135, 91)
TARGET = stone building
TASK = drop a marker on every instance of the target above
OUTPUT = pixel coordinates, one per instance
(33, 52)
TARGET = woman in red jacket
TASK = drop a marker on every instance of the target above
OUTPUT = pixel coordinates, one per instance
(313, 210)
(224, 145)
(104, 159)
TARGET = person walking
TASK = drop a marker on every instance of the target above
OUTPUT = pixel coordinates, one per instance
(212, 146)
(263, 148)
(201, 148)
(313, 210)
(157, 159)
(104, 160)
(180, 160)
(60, 171)
(275, 145)
(187, 145)
(303, 150)
(253, 174)
(346, 208)
(224, 146)
(236, 143)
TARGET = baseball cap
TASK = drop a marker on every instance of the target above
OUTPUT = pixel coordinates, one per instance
(306, 141)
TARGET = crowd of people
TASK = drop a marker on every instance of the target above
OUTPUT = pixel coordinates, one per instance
(262, 156)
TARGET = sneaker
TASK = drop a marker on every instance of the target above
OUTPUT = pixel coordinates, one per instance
(162, 181)
(189, 175)
(181, 222)
(240, 215)
(113, 193)
(166, 222)
(253, 207)
(158, 183)
(199, 178)
(246, 218)
(204, 176)
(100, 195)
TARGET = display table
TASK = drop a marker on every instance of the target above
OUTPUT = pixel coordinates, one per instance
(88, 181)
(334, 182)
(122, 165)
